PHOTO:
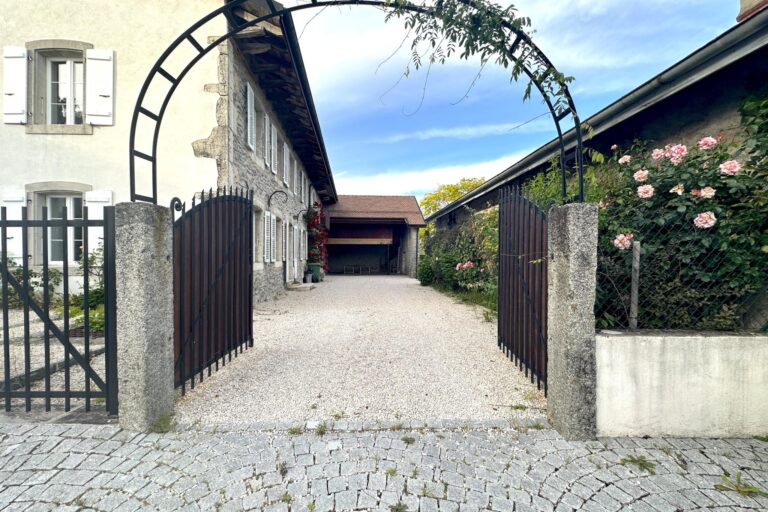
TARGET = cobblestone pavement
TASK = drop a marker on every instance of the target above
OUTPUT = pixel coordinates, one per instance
(66, 467)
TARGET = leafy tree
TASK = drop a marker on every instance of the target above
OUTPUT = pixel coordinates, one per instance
(446, 194)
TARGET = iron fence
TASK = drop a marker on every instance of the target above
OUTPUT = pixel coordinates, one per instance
(213, 282)
(522, 311)
(58, 324)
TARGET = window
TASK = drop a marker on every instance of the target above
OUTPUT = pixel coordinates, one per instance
(58, 86)
(270, 144)
(65, 244)
(286, 164)
(295, 176)
(64, 84)
(270, 237)
(250, 123)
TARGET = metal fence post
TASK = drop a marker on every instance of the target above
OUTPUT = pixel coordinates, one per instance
(110, 310)
(635, 285)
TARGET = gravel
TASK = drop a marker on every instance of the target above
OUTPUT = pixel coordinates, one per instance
(370, 348)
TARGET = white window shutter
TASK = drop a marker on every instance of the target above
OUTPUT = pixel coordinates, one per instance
(273, 239)
(14, 201)
(14, 85)
(273, 147)
(249, 118)
(267, 133)
(96, 200)
(286, 164)
(285, 241)
(99, 87)
(266, 236)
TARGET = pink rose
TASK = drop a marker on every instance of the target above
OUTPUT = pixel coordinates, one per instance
(696, 192)
(625, 160)
(458, 266)
(705, 220)
(675, 152)
(482, 270)
(615, 147)
(645, 191)
(730, 167)
(623, 241)
(707, 142)
(657, 154)
(707, 192)
(641, 175)
(468, 264)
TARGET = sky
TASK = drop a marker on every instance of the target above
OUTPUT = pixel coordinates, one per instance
(390, 134)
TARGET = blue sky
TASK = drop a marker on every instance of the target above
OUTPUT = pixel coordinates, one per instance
(383, 139)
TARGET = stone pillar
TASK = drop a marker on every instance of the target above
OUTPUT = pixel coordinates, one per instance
(571, 369)
(144, 268)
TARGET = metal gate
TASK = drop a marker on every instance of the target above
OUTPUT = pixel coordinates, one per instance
(58, 325)
(522, 318)
(213, 282)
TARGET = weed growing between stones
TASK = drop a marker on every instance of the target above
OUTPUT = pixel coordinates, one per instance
(640, 462)
(739, 486)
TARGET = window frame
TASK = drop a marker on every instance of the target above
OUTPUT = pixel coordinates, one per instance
(69, 199)
(39, 54)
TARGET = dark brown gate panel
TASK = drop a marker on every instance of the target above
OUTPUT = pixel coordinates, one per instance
(522, 320)
(213, 282)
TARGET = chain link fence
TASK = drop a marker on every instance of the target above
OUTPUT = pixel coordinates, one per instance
(679, 276)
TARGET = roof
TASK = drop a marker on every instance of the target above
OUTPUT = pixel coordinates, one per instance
(404, 208)
(272, 51)
(737, 43)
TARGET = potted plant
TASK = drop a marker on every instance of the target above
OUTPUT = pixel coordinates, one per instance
(317, 259)
(307, 275)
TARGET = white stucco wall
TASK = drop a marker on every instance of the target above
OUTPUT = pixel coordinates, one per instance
(713, 385)
(138, 31)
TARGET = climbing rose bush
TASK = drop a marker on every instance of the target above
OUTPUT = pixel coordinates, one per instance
(704, 247)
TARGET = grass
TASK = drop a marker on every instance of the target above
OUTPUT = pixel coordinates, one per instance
(311, 506)
(425, 492)
(321, 429)
(415, 472)
(163, 425)
(282, 469)
(398, 507)
(536, 425)
(739, 486)
(518, 407)
(762, 438)
(391, 472)
(640, 462)
(488, 301)
(295, 431)
(397, 426)
(286, 498)
(339, 415)
(408, 440)
(530, 395)
(313, 406)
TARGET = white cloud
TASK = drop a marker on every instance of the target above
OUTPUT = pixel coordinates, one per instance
(542, 124)
(420, 182)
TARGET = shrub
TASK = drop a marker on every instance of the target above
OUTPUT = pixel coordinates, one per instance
(426, 273)
(35, 284)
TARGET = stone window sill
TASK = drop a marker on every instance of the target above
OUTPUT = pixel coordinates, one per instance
(60, 129)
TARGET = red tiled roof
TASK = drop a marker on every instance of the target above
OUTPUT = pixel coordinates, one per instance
(377, 207)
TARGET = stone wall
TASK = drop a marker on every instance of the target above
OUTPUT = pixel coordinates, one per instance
(410, 252)
(242, 166)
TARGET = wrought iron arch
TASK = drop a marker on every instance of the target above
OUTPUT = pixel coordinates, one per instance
(521, 50)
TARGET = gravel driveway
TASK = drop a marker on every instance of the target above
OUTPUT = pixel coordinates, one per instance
(370, 348)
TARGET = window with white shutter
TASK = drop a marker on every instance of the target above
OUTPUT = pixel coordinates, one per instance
(267, 141)
(286, 164)
(99, 88)
(14, 85)
(273, 146)
(267, 236)
(250, 123)
(273, 239)
(285, 241)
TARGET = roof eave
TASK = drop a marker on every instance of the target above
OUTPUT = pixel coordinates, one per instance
(734, 44)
